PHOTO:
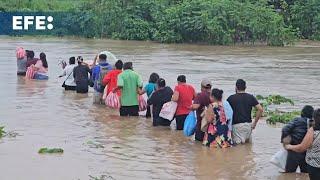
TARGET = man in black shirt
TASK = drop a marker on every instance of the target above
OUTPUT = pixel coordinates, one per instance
(161, 96)
(242, 104)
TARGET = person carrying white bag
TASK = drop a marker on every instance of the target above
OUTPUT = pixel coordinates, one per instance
(297, 129)
(168, 110)
(280, 158)
(161, 96)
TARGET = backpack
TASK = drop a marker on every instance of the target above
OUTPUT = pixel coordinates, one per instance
(98, 83)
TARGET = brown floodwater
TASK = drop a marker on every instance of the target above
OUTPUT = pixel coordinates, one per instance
(97, 142)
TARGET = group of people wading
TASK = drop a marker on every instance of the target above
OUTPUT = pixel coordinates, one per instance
(31, 67)
(219, 123)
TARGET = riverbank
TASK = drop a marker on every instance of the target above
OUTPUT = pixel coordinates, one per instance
(298, 43)
(216, 22)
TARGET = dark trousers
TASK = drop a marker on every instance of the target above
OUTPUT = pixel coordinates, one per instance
(180, 121)
(294, 160)
(314, 173)
(159, 121)
(69, 88)
(148, 114)
(199, 135)
(82, 87)
(21, 73)
(129, 110)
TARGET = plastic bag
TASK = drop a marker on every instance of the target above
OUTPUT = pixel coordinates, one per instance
(168, 110)
(105, 93)
(30, 73)
(111, 58)
(190, 124)
(204, 121)
(20, 53)
(142, 103)
(113, 101)
(280, 159)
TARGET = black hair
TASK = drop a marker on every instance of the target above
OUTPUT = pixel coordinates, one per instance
(161, 83)
(316, 117)
(80, 59)
(241, 85)
(217, 94)
(307, 111)
(27, 52)
(182, 78)
(207, 87)
(119, 64)
(72, 60)
(43, 58)
(127, 65)
(103, 57)
(30, 54)
(154, 78)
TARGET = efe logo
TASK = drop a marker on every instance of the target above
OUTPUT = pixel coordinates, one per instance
(23, 22)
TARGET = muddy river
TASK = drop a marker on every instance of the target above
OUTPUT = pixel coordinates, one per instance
(98, 143)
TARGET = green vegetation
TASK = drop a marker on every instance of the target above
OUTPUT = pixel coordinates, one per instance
(39, 5)
(217, 22)
(102, 177)
(92, 144)
(50, 151)
(274, 115)
(273, 100)
(282, 117)
(2, 132)
(10, 134)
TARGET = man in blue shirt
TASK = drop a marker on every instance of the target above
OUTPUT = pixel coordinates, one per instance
(98, 73)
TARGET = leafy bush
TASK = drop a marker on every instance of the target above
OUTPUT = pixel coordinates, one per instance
(218, 22)
(134, 29)
(306, 17)
(222, 22)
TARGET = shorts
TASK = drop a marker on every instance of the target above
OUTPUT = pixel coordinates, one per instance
(97, 98)
(40, 76)
(129, 110)
(180, 121)
(69, 88)
(241, 133)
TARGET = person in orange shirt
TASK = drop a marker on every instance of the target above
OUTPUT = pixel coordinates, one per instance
(110, 79)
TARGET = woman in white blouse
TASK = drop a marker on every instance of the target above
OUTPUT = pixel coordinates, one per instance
(69, 83)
